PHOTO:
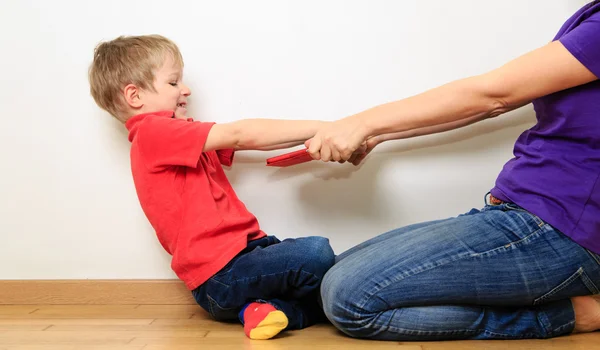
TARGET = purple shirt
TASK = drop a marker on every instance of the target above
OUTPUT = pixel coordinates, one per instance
(556, 169)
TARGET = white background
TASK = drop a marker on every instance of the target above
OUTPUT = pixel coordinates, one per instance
(68, 208)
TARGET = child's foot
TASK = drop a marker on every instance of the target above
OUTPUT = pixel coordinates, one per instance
(263, 321)
(587, 313)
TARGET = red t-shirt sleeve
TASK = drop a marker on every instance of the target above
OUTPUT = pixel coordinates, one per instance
(226, 156)
(165, 142)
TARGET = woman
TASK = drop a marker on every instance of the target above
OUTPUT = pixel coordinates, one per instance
(527, 264)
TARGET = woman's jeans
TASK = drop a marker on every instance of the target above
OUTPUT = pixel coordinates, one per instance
(495, 273)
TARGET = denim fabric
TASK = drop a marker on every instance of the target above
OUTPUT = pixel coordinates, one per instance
(495, 273)
(286, 274)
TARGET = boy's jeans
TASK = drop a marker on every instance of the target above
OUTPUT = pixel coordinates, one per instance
(286, 274)
(495, 273)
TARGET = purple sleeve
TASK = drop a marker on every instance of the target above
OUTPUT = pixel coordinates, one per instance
(583, 42)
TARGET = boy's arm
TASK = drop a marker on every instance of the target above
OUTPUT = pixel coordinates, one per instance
(261, 134)
(281, 146)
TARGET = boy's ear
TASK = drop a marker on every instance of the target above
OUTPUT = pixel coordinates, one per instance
(132, 96)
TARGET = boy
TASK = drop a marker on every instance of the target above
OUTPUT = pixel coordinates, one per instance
(233, 269)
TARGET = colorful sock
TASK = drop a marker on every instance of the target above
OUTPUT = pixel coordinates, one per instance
(262, 320)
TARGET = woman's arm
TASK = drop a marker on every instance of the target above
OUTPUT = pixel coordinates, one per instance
(540, 72)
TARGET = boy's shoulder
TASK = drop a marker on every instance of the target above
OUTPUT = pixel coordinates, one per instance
(144, 118)
(162, 124)
(160, 141)
(161, 118)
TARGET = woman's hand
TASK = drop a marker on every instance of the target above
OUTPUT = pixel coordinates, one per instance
(338, 141)
(359, 155)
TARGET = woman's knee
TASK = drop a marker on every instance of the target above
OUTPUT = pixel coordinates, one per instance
(344, 303)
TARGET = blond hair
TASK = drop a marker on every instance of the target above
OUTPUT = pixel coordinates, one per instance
(127, 60)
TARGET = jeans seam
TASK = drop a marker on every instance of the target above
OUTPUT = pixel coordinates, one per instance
(545, 322)
(564, 284)
(312, 275)
(526, 239)
(407, 331)
(589, 283)
(594, 256)
(418, 332)
(302, 272)
(219, 282)
(539, 222)
(559, 329)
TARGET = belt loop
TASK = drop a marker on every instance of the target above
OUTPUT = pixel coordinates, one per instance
(485, 198)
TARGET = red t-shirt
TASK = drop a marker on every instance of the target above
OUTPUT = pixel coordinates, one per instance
(186, 196)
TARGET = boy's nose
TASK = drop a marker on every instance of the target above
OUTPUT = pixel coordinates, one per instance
(186, 90)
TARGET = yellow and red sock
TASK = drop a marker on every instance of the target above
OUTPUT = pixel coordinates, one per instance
(263, 321)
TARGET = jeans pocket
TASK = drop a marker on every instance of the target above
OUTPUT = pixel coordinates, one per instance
(576, 285)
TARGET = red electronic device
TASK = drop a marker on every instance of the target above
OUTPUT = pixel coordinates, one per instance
(291, 158)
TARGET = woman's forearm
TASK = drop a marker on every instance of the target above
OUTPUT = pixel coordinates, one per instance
(447, 107)
(540, 72)
(434, 129)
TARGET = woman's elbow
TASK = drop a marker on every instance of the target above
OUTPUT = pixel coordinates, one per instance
(495, 97)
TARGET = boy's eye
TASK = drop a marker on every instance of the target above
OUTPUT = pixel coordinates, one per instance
(173, 83)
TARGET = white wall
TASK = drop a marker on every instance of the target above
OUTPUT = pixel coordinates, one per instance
(68, 208)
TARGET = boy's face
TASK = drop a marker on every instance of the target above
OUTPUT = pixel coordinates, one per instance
(171, 93)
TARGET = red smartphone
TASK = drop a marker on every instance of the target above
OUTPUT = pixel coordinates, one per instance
(291, 158)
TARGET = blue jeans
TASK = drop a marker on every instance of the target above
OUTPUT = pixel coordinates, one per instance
(286, 274)
(495, 273)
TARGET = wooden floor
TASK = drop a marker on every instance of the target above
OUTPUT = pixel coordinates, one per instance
(153, 327)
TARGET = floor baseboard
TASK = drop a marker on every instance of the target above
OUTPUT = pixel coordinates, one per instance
(77, 292)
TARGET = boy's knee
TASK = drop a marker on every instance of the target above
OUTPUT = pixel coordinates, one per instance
(319, 253)
(310, 254)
